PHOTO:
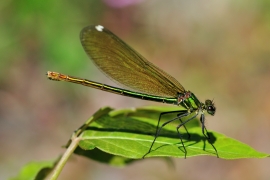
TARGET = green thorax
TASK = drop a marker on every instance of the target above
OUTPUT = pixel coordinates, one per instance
(190, 101)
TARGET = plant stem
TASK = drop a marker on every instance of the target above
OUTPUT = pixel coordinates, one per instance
(61, 163)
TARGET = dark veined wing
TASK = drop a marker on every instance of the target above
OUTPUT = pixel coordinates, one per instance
(124, 65)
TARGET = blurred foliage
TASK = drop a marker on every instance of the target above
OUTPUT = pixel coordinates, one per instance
(39, 31)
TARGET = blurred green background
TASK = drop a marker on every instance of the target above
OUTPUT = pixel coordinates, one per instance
(217, 49)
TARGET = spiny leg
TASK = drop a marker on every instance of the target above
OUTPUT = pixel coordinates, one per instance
(180, 112)
(184, 126)
(179, 134)
(202, 119)
(185, 113)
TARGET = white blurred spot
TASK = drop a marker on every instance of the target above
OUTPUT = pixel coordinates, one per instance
(99, 28)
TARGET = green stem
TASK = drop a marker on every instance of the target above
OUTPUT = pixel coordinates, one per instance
(61, 163)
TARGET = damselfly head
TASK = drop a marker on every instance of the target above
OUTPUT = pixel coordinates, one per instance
(210, 107)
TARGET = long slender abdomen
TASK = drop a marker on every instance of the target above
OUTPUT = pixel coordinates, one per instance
(62, 77)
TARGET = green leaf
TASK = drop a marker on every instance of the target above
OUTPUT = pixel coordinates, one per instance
(35, 170)
(128, 133)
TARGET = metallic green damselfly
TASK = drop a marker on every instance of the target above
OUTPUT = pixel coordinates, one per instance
(127, 67)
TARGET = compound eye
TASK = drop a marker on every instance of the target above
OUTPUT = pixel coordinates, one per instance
(211, 109)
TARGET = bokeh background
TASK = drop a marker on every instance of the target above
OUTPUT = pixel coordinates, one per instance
(217, 49)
